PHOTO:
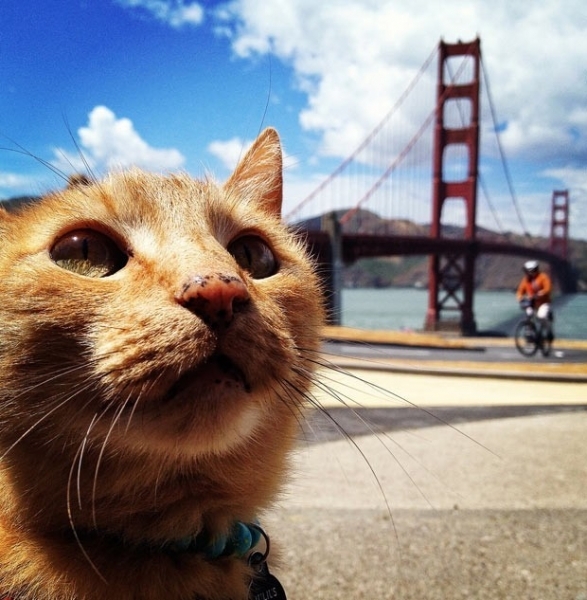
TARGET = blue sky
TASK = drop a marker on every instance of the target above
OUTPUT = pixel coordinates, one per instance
(187, 85)
(181, 87)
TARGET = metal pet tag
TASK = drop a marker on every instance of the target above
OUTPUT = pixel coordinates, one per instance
(265, 586)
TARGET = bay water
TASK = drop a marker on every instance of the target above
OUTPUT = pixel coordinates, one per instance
(401, 309)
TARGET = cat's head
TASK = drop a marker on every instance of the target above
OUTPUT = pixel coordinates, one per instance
(158, 315)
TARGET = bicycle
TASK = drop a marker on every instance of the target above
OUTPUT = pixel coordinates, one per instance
(531, 333)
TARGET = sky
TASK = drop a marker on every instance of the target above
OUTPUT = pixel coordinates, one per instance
(172, 85)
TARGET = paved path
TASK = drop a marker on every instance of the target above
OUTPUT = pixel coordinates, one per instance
(420, 352)
(560, 355)
(467, 487)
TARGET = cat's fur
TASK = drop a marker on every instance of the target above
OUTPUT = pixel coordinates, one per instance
(155, 402)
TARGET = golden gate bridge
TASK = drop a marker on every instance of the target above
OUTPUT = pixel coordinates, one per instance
(389, 174)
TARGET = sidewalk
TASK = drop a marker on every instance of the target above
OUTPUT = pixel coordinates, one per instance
(494, 508)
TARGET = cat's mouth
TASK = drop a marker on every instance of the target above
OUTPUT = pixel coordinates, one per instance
(218, 375)
(209, 408)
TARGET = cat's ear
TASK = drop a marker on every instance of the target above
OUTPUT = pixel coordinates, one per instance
(260, 172)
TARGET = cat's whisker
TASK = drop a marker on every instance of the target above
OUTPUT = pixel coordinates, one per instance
(34, 426)
(83, 445)
(268, 98)
(80, 152)
(387, 393)
(51, 377)
(76, 461)
(303, 400)
(78, 458)
(135, 405)
(309, 398)
(117, 414)
(382, 436)
(57, 404)
(292, 401)
(325, 384)
(379, 434)
(25, 152)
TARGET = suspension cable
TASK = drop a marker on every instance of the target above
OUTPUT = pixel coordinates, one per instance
(347, 216)
(501, 152)
(345, 163)
(481, 181)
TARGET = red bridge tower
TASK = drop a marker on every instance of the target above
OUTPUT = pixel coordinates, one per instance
(452, 275)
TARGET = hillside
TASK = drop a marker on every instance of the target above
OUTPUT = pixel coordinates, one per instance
(493, 272)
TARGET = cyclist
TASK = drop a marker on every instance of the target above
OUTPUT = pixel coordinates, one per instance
(537, 287)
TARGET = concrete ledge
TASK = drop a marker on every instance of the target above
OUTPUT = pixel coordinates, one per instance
(400, 338)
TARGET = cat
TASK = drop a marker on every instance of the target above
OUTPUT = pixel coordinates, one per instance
(158, 347)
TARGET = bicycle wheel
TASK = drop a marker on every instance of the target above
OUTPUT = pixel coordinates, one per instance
(525, 337)
(545, 340)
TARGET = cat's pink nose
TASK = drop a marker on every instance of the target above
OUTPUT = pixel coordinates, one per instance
(214, 297)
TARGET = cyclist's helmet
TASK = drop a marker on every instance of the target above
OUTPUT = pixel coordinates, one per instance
(531, 267)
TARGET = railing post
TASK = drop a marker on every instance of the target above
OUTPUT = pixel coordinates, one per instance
(332, 227)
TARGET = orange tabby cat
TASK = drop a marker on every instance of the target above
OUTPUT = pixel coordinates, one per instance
(157, 345)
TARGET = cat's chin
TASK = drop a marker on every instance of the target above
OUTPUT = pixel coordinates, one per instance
(209, 409)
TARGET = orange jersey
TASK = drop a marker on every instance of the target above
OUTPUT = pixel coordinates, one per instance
(539, 288)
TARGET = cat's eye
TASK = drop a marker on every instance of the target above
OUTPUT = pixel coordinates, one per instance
(254, 255)
(89, 253)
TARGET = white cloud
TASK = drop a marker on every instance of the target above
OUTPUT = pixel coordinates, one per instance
(108, 142)
(175, 13)
(12, 184)
(576, 177)
(229, 152)
(13, 181)
(69, 162)
(295, 189)
(341, 53)
(353, 60)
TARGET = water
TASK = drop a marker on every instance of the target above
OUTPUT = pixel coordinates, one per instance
(405, 309)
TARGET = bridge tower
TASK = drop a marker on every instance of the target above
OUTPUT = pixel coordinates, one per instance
(559, 224)
(452, 275)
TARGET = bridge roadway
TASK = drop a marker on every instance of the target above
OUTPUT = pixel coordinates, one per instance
(465, 478)
(355, 246)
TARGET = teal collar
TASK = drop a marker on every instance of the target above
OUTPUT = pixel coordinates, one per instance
(240, 540)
